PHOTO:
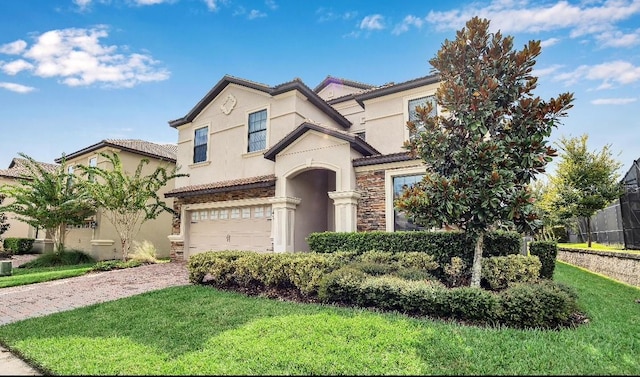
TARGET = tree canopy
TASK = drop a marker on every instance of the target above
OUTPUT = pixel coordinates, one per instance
(127, 200)
(585, 181)
(49, 199)
(488, 143)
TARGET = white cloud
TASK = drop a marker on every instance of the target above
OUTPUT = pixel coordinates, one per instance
(82, 4)
(408, 21)
(13, 48)
(151, 2)
(14, 67)
(618, 72)
(617, 38)
(325, 15)
(271, 4)
(539, 72)
(373, 22)
(256, 14)
(16, 87)
(512, 16)
(613, 101)
(549, 42)
(77, 58)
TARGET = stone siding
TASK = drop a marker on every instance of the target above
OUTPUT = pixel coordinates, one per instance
(371, 206)
(177, 248)
(620, 266)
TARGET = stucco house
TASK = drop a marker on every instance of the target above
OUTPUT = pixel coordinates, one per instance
(268, 165)
(97, 237)
(18, 169)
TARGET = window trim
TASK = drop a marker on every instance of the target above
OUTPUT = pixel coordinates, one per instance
(405, 103)
(388, 196)
(193, 145)
(266, 130)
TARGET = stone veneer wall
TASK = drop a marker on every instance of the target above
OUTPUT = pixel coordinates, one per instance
(177, 248)
(371, 205)
(620, 266)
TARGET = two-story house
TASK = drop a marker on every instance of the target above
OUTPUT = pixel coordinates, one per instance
(97, 236)
(269, 165)
(18, 169)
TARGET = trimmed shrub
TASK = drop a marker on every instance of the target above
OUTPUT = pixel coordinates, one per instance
(457, 273)
(417, 260)
(18, 245)
(306, 271)
(384, 292)
(547, 251)
(560, 233)
(426, 298)
(542, 305)
(441, 245)
(471, 304)
(217, 264)
(374, 269)
(503, 272)
(413, 274)
(501, 243)
(116, 264)
(341, 285)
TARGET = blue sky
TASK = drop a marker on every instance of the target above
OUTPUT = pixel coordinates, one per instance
(75, 72)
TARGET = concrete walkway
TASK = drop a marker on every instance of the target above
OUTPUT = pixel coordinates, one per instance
(41, 299)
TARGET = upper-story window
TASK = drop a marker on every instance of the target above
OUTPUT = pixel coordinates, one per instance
(200, 140)
(93, 162)
(421, 102)
(257, 131)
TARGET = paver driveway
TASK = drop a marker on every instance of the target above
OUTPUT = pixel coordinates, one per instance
(40, 299)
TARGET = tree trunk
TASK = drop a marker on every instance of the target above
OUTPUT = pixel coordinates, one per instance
(476, 270)
(589, 232)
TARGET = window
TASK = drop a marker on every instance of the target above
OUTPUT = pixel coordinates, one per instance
(195, 216)
(257, 131)
(421, 102)
(200, 144)
(69, 169)
(258, 212)
(93, 162)
(235, 213)
(203, 215)
(267, 212)
(224, 214)
(246, 212)
(214, 214)
(400, 221)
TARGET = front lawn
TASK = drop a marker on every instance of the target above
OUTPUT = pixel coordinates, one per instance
(198, 330)
(596, 246)
(22, 276)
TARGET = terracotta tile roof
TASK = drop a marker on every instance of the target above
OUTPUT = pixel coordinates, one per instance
(145, 148)
(223, 186)
(18, 168)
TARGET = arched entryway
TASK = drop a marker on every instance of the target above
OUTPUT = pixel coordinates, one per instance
(316, 211)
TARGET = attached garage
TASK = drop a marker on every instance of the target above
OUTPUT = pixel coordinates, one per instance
(230, 228)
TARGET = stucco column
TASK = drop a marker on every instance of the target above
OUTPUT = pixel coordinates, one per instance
(283, 210)
(346, 209)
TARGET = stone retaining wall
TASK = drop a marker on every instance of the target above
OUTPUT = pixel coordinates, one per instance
(620, 266)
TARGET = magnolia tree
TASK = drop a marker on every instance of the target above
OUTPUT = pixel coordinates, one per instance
(490, 142)
(127, 201)
(49, 199)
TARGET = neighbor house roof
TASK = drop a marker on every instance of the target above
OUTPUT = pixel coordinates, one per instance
(166, 152)
(356, 142)
(223, 186)
(296, 84)
(18, 168)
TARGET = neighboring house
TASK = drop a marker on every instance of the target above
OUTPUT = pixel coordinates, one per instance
(269, 165)
(18, 169)
(97, 237)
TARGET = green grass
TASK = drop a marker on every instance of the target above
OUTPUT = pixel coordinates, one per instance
(195, 330)
(23, 276)
(594, 246)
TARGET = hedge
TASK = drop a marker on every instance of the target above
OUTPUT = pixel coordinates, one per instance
(441, 245)
(18, 245)
(547, 251)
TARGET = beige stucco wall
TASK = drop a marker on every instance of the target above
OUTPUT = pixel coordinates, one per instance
(386, 118)
(103, 242)
(228, 134)
(17, 228)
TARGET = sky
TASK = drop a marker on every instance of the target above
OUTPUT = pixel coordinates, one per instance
(76, 72)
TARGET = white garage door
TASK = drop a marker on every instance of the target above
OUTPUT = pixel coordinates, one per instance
(235, 228)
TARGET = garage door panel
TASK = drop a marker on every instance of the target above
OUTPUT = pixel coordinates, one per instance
(230, 234)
